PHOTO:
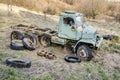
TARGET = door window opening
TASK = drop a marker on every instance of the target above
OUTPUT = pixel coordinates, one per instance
(68, 21)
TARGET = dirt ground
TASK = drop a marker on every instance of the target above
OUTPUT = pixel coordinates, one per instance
(104, 66)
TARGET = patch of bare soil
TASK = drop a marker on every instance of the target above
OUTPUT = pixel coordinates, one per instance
(112, 60)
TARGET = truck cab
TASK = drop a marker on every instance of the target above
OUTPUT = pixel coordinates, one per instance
(69, 23)
(72, 26)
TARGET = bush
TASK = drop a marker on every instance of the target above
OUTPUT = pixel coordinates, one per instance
(91, 8)
(48, 10)
(71, 2)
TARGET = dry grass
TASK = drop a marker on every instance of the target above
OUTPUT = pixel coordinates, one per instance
(48, 6)
(90, 8)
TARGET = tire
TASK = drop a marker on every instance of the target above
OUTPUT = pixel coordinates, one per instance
(30, 42)
(48, 29)
(72, 59)
(17, 45)
(44, 39)
(108, 37)
(19, 63)
(16, 35)
(84, 52)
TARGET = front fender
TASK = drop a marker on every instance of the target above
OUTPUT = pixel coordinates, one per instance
(85, 41)
(91, 41)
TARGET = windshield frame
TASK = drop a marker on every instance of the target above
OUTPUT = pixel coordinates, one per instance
(80, 20)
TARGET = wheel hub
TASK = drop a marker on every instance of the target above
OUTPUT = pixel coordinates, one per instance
(44, 41)
(82, 53)
(15, 36)
(30, 42)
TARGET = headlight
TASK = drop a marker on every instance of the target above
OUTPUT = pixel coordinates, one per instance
(97, 38)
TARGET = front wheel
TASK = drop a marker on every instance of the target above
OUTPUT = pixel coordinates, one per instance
(84, 52)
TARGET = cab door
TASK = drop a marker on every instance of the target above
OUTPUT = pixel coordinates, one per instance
(67, 28)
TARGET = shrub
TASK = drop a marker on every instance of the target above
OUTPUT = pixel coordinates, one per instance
(49, 11)
(71, 2)
(91, 8)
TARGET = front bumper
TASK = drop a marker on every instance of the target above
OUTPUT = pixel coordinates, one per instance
(99, 41)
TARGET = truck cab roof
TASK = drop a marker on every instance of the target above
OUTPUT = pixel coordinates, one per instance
(71, 13)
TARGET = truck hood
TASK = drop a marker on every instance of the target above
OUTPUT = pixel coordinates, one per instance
(88, 31)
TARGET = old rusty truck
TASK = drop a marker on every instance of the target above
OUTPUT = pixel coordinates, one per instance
(73, 31)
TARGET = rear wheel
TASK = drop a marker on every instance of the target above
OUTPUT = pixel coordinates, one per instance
(84, 52)
(18, 35)
(30, 41)
(45, 40)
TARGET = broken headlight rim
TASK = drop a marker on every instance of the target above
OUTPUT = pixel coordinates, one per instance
(97, 38)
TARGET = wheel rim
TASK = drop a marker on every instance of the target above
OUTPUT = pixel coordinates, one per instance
(29, 42)
(82, 53)
(44, 41)
(15, 36)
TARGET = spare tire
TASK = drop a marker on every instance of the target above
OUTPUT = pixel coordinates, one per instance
(72, 59)
(16, 35)
(30, 42)
(19, 63)
(17, 45)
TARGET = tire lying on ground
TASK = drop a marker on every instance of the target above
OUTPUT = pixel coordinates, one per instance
(72, 59)
(109, 37)
(19, 63)
(30, 41)
(16, 35)
(17, 45)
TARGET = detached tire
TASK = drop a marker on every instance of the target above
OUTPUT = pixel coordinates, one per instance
(44, 39)
(17, 45)
(16, 35)
(108, 37)
(48, 29)
(84, 52)
(30, 42)
(72, 59)
(19, 63)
